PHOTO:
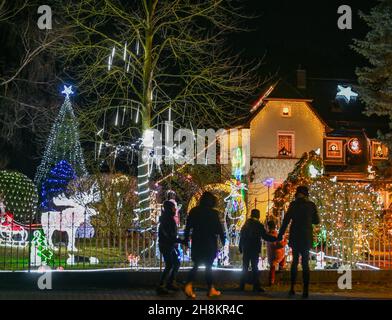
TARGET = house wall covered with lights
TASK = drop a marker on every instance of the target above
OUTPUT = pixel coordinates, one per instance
(279, 134)
(293, 117)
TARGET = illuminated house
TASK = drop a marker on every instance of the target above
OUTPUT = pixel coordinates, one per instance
(291, 118)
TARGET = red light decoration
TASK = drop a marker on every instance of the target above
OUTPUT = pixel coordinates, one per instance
(261, 99)
(354, 146)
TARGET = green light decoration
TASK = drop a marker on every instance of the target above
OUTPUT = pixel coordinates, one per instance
(63, 143)
(235, 211)
(20, 195)
(41, 249)
(238, 164)
(321, 237)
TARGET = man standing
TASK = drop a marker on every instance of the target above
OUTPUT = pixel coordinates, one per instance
(302, 214)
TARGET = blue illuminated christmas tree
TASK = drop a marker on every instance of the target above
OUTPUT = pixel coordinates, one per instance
(63, 144)
(56, 183)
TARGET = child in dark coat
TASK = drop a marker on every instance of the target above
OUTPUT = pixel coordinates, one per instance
(251, 236)
(167, 234)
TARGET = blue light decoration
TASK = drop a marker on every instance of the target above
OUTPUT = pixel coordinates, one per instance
(85, 231)
(269, 182)
(347, 93)
(56, 183)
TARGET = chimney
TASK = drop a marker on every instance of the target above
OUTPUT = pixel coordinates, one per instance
(301, 78)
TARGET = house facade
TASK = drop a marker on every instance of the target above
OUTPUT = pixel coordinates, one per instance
(326, 115)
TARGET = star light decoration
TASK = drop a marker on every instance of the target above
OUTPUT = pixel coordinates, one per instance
(346, 92)
(67, 91)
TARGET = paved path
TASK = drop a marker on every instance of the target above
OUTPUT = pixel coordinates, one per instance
(277, 293)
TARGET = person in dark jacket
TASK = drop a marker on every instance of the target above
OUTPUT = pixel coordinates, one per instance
(251, 236)
(302, 214)
(204, 228)
(167, 240)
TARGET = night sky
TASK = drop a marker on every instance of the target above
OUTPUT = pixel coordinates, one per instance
(293, 33)
(288, 34)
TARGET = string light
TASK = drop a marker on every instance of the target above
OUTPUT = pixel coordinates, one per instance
(125, 51)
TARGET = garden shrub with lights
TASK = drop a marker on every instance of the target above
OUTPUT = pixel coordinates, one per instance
(350, 213)
(20, 195)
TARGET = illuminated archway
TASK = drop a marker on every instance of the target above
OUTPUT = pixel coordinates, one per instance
(234, 206)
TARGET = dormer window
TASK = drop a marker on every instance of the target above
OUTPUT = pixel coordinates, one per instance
(379, 151)
(286, 111)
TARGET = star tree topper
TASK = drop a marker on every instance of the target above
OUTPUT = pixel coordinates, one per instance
(347, 93)
(67, 91)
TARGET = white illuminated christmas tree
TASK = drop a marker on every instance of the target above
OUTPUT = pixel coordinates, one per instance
(63, 143)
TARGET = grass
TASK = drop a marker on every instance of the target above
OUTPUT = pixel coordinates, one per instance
(108, 254)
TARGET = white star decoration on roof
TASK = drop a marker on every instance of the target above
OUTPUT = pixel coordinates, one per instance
(347, 93)
(67, 91)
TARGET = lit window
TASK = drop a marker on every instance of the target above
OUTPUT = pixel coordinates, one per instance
(285, 144)
(334, 149)
(379, 151)
(286, 111)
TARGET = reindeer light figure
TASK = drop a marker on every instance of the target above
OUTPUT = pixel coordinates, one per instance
(77, 209)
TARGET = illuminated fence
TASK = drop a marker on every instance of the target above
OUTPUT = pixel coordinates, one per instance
(19, 250)
(373, 252)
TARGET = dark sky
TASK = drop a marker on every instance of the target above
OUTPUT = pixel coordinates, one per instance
(291, 33)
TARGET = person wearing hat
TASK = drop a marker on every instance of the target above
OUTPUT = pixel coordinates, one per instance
(167, 242)
(251, 236)
(302, 214)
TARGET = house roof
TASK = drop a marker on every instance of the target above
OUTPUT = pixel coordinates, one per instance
(335, 111)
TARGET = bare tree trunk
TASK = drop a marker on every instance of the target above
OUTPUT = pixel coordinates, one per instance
(143, 172)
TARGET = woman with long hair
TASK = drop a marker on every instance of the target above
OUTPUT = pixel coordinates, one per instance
(204, 228)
